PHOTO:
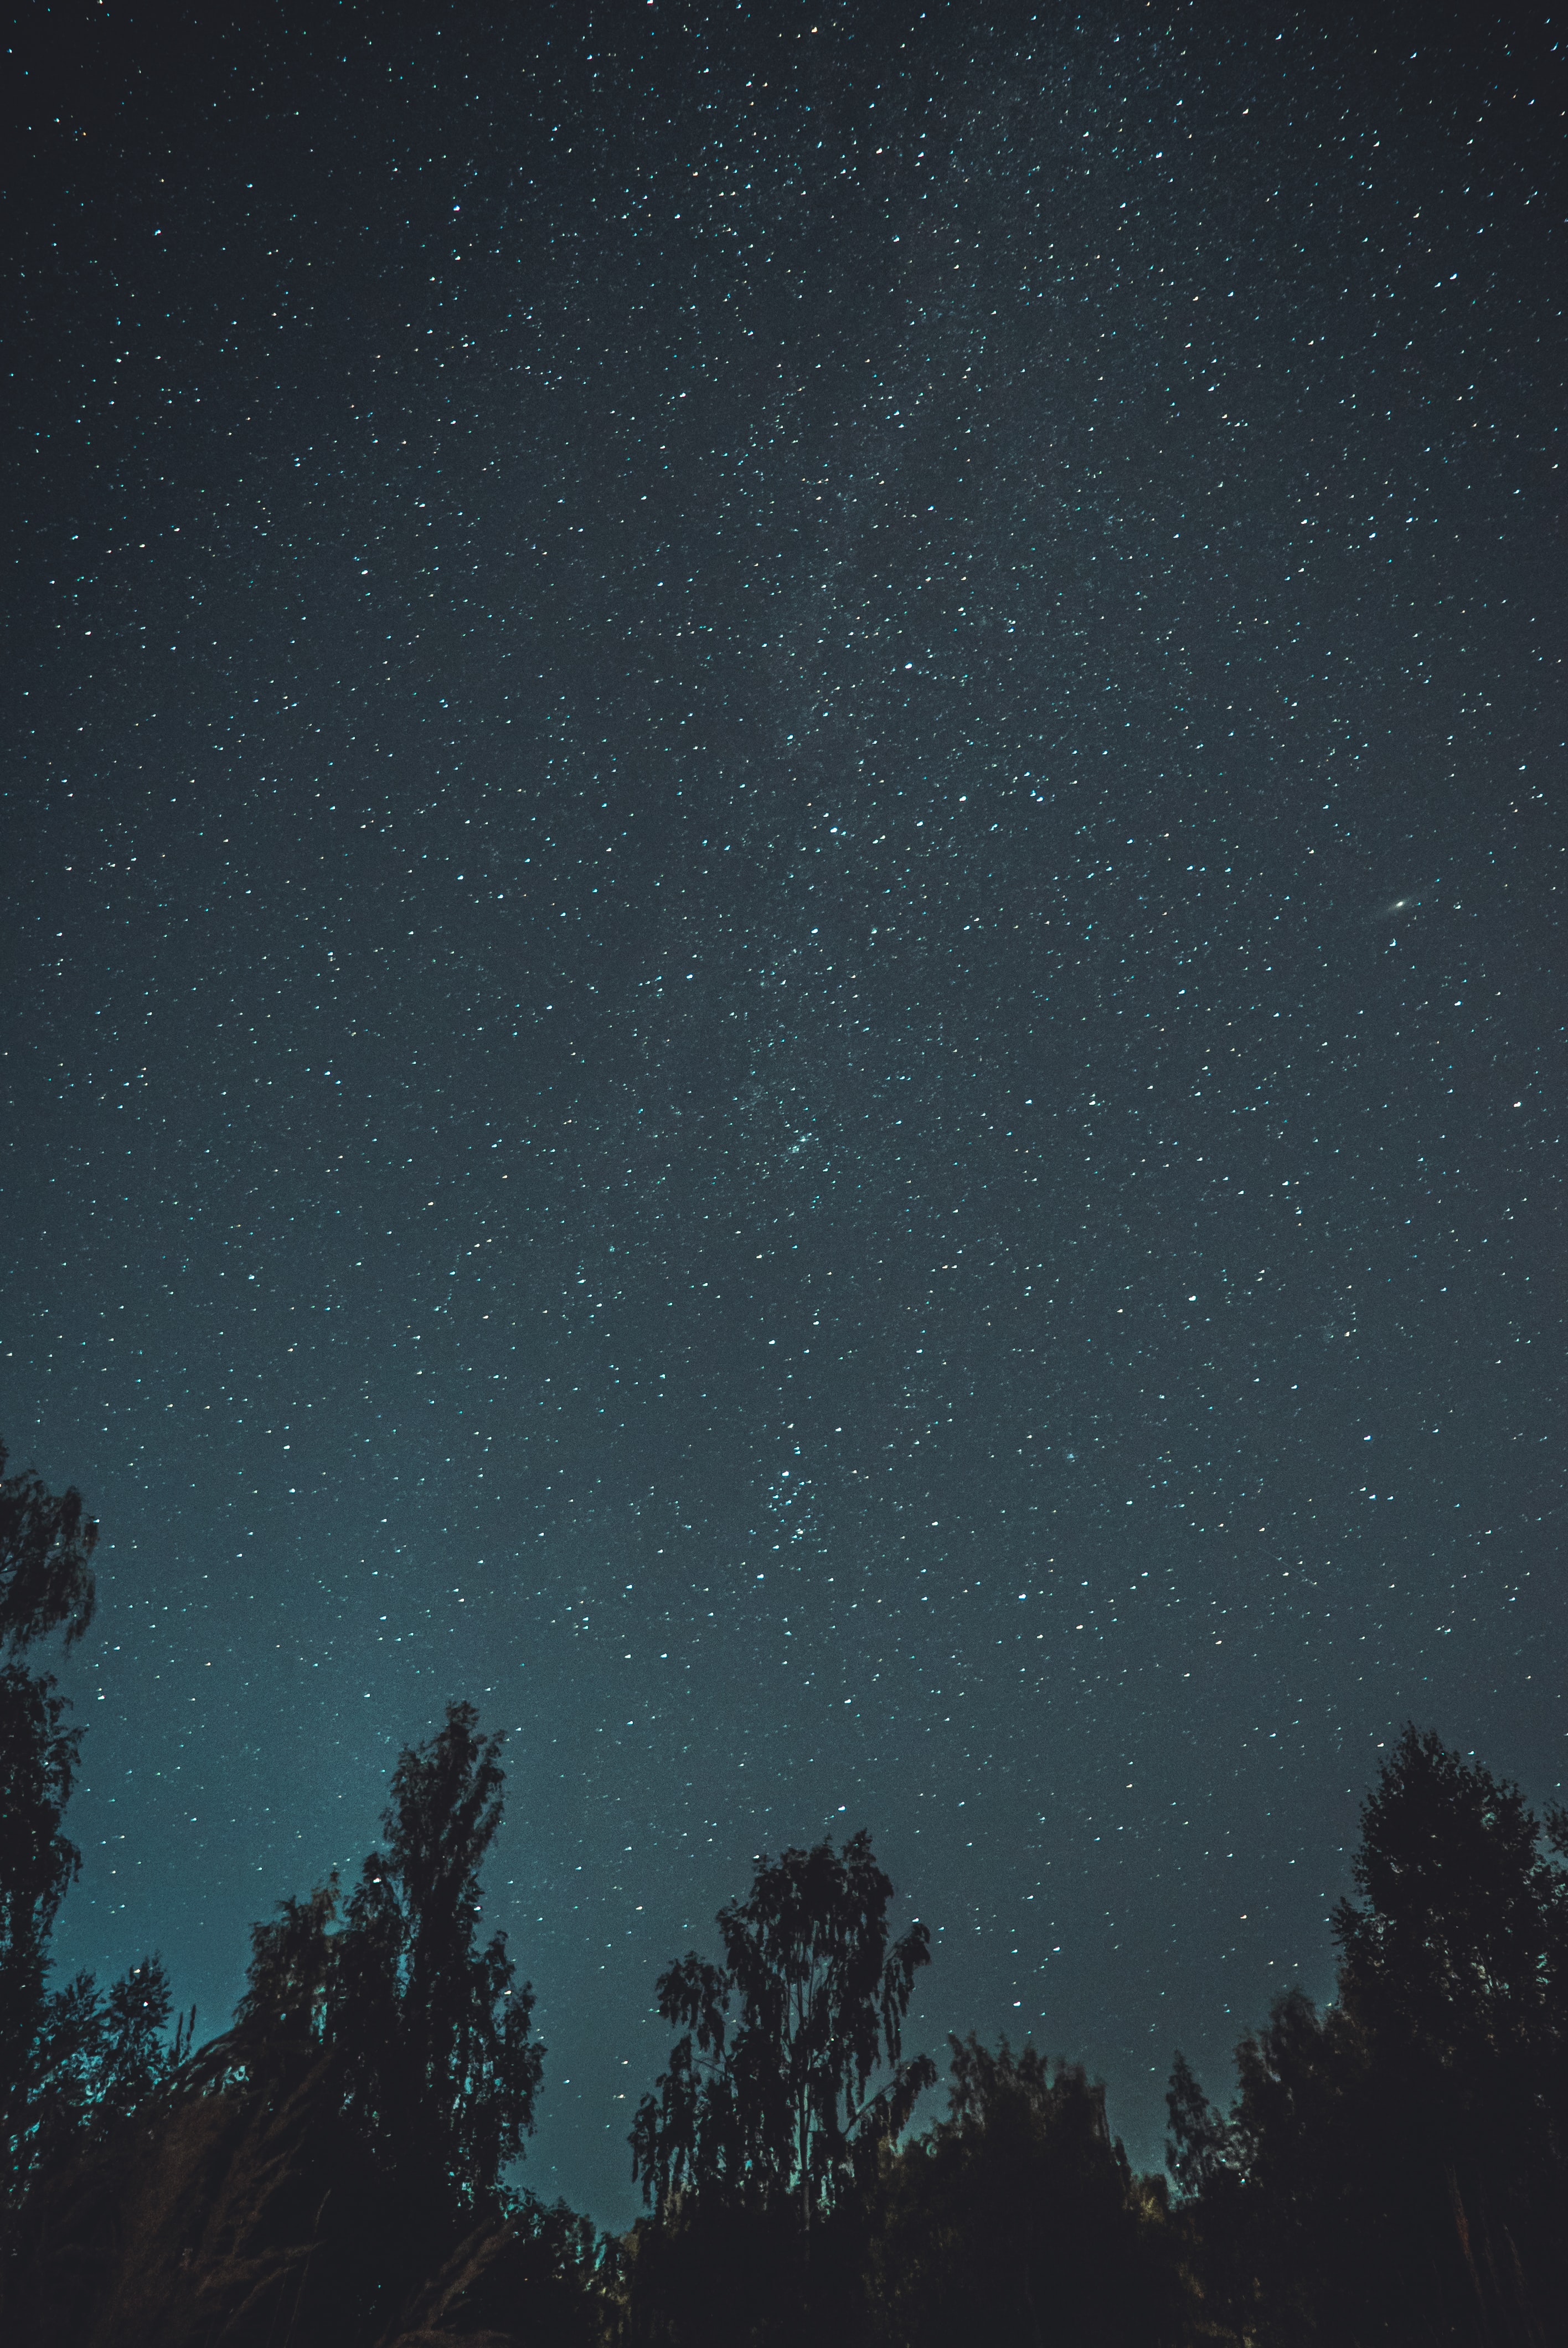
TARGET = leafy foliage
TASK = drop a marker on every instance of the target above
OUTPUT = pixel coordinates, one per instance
(46, 1542)
(99, 2055)
(308, 2172)
(39, 1757)
(334, 2168)
(44, 1581)
(1393, 2168)
(1019, 2219)
(1461, 1950)
(768, 2094)
(432, 2039)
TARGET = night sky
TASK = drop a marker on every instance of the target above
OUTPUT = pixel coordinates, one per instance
(784, 851)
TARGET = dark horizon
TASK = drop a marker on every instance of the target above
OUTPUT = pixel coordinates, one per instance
(784, 834)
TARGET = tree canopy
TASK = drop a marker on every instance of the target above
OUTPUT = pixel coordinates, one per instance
(768, 2094)
(437, 2068)
(46, 1542)
(1393, 2168)
(337, 2169)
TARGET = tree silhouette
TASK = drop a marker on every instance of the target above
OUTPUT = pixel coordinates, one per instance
(38, 1761)
(288, 1983)
(73, 2061)
(46, 1542)
(436, 2034)
(1018, 2218)
(1462, 1944)
(100, 2056)
(1454, 1970)
(767, 2097)
(1393, 2169)
(45, 1581)
(1200, 2145)
(435, 2061)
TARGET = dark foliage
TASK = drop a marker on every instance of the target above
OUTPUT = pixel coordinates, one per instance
(1395, 2169)
(434, 2035)
(726, 2273)
(333, 2170)
(38, 1760)
(768, 2095)
(100, 2056)
(76, 2064)
(433, 2057)
(542, 2269)
(1019, 2220)
(1015, 2220)
(226, 2211)
(66, 2057)
(46, 1542)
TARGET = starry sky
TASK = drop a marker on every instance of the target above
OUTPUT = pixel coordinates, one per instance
(783, 970)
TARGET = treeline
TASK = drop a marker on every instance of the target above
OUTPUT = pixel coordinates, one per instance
(338, 2169)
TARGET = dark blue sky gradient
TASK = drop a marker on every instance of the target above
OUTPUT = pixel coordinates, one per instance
(784, 972)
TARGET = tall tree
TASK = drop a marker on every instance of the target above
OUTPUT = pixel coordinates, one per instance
(436, 2030)
(72, 2060)
(38, 1761)
(46, 1582)
(435, 2063)
(768, 2095)
(1459, 1945)
(1394, 2168)
(1454, 1970)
